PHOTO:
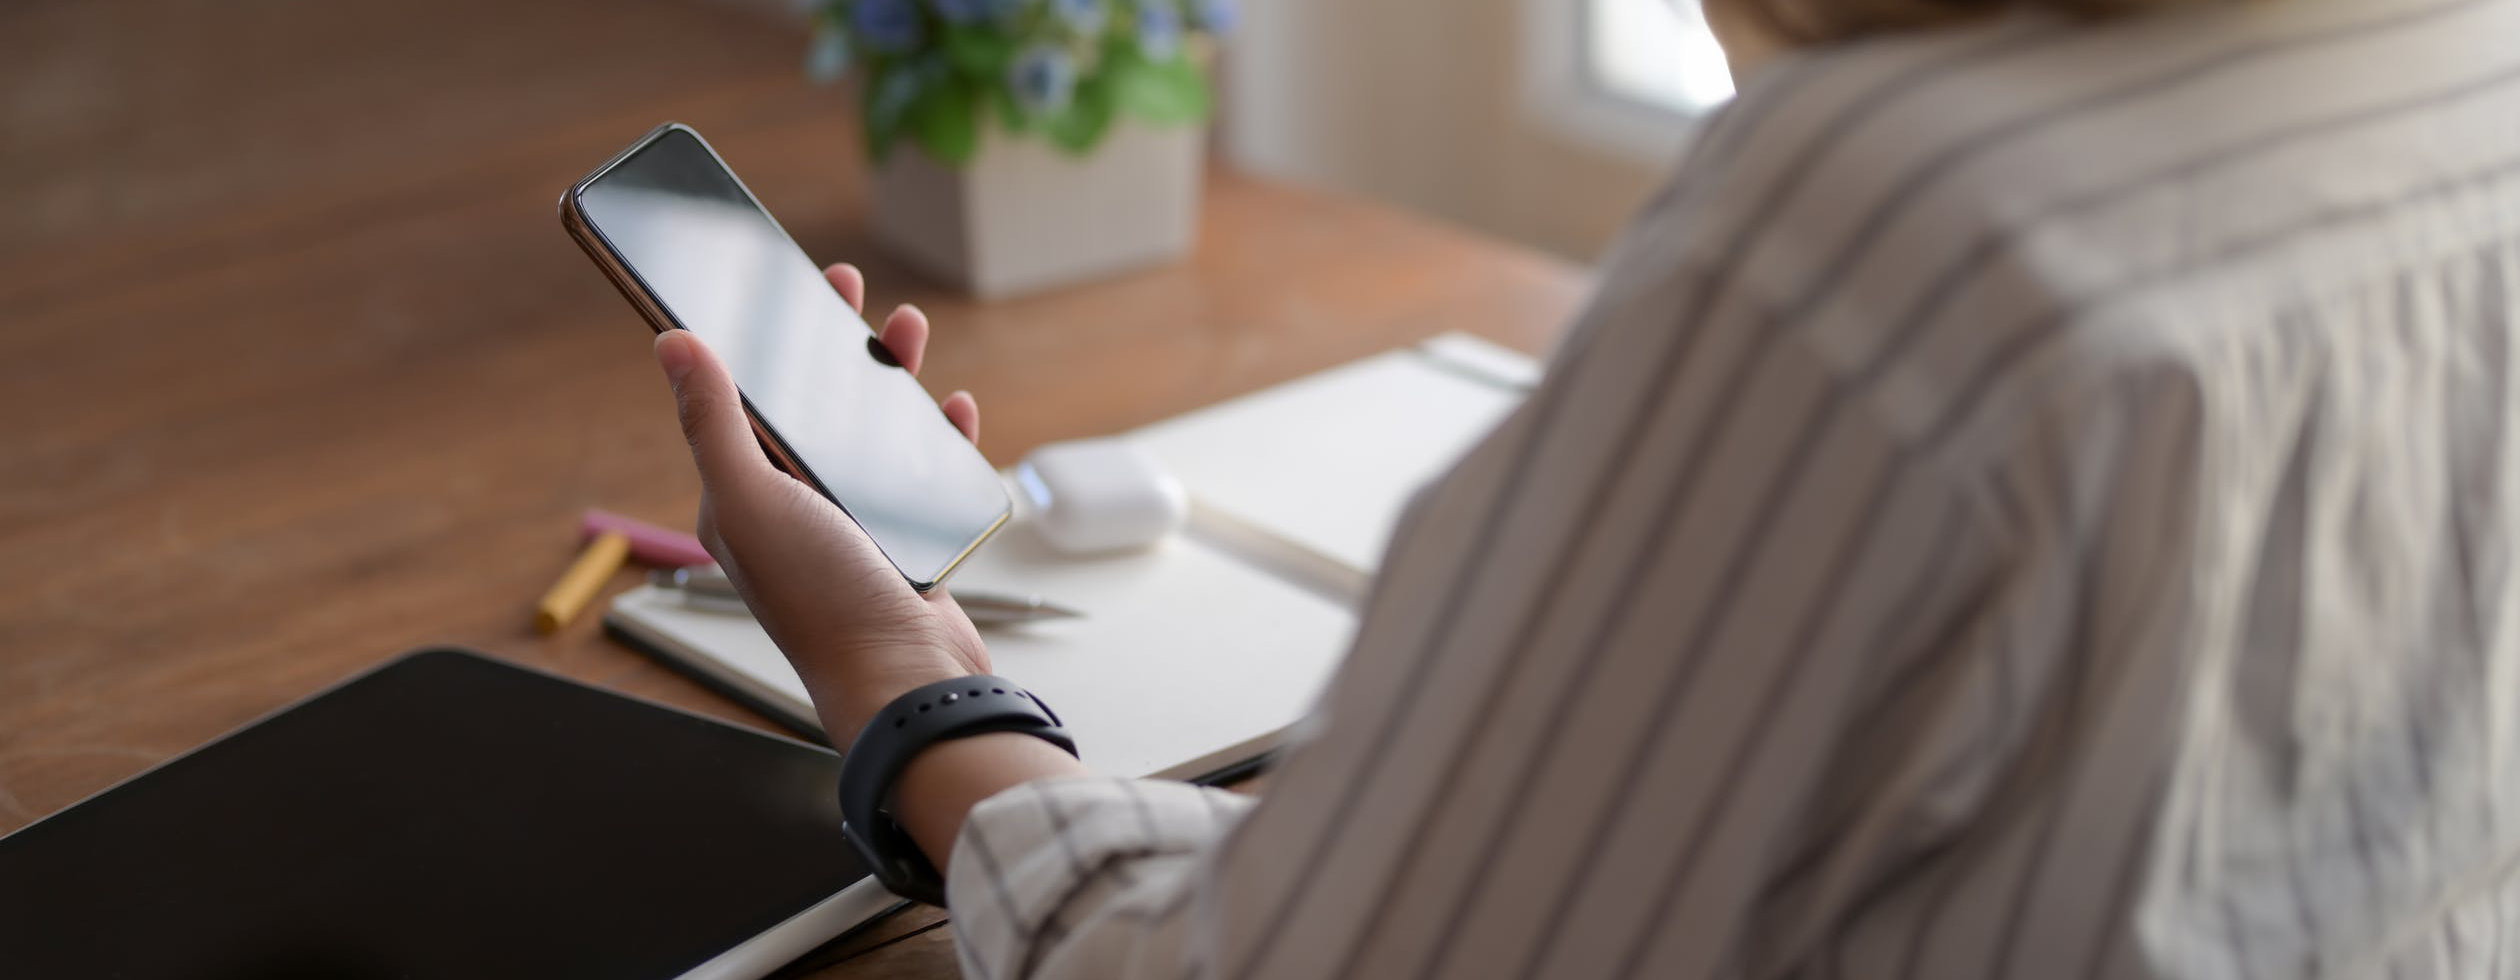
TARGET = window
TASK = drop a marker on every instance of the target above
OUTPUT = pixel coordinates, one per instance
(1626, 76)
(1658, 52)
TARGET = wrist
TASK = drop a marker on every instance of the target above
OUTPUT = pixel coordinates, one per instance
(847, 708)
(943, 782)
(903, 826)
(850, 692)
(855, 665)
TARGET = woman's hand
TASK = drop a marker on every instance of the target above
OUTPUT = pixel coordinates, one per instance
(856, 631)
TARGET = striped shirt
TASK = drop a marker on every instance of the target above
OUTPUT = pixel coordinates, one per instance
(2026, 500)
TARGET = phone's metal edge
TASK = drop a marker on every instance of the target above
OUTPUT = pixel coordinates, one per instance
(635, 289)
(1005, 513)
(592, 241)
(977, 540)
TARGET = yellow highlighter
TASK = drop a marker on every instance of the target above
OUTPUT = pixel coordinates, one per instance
(602, 557)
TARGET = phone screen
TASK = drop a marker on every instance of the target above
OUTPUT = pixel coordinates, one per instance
(865, 433)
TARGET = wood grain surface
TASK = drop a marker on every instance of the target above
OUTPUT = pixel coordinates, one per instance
(301, 371)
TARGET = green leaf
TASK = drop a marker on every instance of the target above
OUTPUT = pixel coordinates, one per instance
(978, 52)
(1010, 116)
(1081, 125)
(892, 87)
(945, 120)
(1171, 93)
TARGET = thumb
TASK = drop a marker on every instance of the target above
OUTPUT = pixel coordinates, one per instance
(713, 420)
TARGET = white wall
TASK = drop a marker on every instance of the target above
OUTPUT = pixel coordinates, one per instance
(1427, 104)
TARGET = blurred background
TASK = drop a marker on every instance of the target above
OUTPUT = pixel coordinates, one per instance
(1543, 121)
(302, 370)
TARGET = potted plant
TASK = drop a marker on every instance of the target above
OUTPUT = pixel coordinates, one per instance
(1022, 144)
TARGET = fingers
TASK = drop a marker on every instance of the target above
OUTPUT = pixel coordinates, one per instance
(905, 333)
(849, 282)
(713, 421)
(964, 411)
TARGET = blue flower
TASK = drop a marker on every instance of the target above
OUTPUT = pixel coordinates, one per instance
(1082, 16)
(887, 25)
(1159, 29)
(1212, 16)
(1043, 78)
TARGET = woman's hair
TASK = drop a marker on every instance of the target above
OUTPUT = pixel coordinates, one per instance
(1817, 21)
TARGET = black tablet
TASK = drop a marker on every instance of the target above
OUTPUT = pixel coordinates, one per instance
(445, 815)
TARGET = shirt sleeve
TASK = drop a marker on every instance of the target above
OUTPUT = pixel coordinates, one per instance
(1086, 877)
(1598, 700)
(1616, 785)
(1591, 724)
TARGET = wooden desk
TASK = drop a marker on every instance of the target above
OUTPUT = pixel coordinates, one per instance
(301, 371)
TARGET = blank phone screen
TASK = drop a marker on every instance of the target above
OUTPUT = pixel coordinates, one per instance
(865, 433)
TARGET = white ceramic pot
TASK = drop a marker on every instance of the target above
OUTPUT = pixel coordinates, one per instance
(1025, 216)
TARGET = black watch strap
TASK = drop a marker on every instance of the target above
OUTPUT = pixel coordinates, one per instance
(943, 711)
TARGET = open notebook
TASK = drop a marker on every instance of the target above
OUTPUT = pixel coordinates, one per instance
(1192, 656)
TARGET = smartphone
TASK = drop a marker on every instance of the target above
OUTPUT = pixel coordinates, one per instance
(692, 249)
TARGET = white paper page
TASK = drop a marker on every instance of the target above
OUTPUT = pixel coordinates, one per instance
(1328, 461)
(1209, 641)
(1183, 651)
(1485, 359)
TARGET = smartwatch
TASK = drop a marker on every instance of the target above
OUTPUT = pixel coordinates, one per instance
(939, 712)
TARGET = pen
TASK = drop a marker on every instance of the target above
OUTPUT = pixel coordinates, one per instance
(650, 544)
(579, 584)
(706, 587)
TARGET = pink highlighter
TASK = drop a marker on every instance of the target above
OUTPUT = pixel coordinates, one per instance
(650, 544)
